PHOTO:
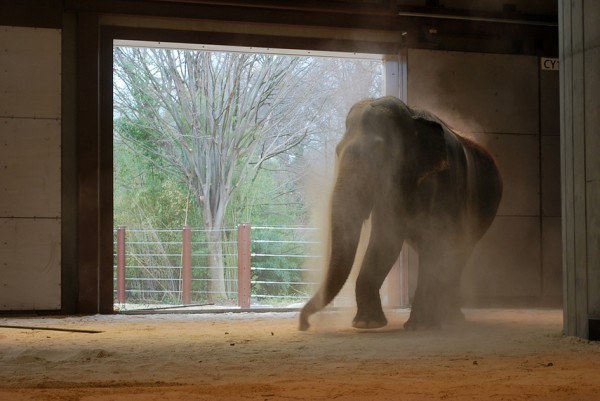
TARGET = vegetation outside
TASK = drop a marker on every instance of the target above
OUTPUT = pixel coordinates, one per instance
(212, 139)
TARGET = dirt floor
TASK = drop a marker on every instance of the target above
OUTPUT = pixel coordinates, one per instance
(494, 355)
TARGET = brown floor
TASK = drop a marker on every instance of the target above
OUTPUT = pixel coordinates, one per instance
(495, 355)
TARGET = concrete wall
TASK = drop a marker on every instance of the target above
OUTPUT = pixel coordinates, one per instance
(580, 156)
(40, 100)
(508, 104)
(30, 168)
(503, 101)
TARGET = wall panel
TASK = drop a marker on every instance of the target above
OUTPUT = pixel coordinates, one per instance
(552, 257)
(549, 103)
(506, 262)
(476, 92)
(518, 160)
(550, 184)
(30, 168)
(30, 72)
(495, 99)
(30, 264)
(550, 175)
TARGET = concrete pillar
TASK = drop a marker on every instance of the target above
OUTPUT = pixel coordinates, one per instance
(579, 36)
(395, 292)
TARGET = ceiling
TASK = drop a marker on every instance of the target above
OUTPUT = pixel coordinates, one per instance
(500, 26)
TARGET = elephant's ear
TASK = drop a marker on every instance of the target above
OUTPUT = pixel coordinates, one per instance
(432, 154)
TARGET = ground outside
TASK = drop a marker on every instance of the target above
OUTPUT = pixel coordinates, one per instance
(495, 355)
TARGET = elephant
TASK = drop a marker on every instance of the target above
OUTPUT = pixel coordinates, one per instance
(420, 183)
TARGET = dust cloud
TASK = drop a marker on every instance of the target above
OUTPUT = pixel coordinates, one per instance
(318, 187)
(517, 355)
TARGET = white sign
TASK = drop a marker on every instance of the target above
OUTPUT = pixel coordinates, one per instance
(548, 63)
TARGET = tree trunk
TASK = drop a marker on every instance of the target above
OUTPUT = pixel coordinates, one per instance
(213, 223)
(216, 285)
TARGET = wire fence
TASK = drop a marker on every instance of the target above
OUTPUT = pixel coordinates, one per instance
(283, 264)
(283, 261)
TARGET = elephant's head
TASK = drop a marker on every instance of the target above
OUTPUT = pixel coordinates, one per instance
(387, 149)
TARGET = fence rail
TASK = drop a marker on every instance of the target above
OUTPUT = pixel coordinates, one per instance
(260, 264)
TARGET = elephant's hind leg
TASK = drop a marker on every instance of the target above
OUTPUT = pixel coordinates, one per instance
(436, 300)
(424, 311)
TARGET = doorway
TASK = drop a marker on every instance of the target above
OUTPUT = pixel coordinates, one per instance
(209, 137)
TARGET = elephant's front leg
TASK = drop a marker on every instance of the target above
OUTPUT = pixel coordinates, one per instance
(384, 247)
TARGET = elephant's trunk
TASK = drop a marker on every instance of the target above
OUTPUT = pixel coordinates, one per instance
(351, 204)
(347, 217)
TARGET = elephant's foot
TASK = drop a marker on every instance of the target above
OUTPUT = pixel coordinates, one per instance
(432, 319)
(368, 324)
(452, 316)
(422, 320)
(369, 320)
(421, 324)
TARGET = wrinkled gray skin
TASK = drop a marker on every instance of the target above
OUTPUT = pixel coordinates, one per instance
(419, 182)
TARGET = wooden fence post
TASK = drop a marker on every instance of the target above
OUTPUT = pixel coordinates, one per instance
(186, 262)
(121, 261)
(244, 265)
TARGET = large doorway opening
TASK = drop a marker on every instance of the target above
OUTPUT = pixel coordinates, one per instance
(222, 159)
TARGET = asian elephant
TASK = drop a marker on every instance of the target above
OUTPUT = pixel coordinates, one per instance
(419, 182)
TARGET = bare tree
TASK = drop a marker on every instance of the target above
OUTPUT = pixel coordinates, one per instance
(211, 118)
(342, 82)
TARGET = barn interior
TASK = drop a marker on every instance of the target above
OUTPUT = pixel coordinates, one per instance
(519, 76)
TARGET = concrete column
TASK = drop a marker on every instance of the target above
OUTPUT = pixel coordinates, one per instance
(579, 36)
(394, 291)
(396, 81)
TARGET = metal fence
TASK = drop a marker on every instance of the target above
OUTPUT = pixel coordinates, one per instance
(283, 259)
(173, 267)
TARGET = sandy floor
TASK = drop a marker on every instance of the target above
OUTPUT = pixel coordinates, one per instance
(494, 355)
